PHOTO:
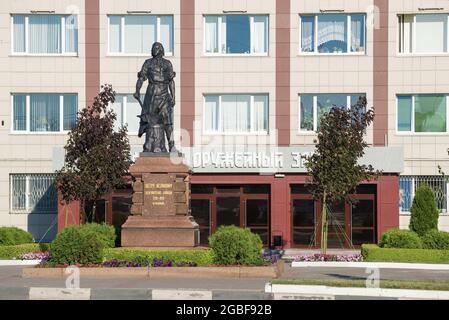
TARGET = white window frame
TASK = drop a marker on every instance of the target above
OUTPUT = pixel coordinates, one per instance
(233, 133)
(124, 114)
(251, 27)
(27, 53)
(414, 53)
(122, 52)
(28, 119)
(315, 110)
(348, 36)
(412, 132)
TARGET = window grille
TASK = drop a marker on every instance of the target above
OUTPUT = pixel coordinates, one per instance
(409, 184)
(33, 193)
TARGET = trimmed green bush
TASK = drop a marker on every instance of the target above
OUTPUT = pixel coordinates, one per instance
(12, 252)
(72, 246)
(404, 239)
(435, 239)
(233, 245)
(424, 211)
(10, 236)
(201, 257)
(373, 253)
(105, 233)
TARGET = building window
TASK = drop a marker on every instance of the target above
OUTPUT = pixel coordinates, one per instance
(44, 34)
(424, 113)
(135, 34)
(313, 107)
(43, 112)
(33, 193)
(236, 34)
(332, 33)
(423, 33)
(409, 184)
(127, 109)
(236, 113)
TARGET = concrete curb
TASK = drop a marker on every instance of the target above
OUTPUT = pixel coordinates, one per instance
(232, 272)
(380, 265)
(289, 292)
(6, 263)
(59, 294)
(42, 293)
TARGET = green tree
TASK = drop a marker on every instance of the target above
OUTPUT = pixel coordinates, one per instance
(97, 157)
(424, 211)
(334, 170)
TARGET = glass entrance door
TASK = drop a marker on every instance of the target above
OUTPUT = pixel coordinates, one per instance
(228, 211)
(246, 206)
(351, 223)
(337, 226)
(363, 220)
(256, 217)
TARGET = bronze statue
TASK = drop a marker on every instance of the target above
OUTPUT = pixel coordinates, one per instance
(156, 119)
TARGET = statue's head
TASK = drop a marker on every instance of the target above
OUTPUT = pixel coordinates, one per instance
(157, 51)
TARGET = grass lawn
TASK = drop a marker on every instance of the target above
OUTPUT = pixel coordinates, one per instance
(386, 284)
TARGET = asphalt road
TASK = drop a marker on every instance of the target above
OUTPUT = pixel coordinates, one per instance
(360, 273)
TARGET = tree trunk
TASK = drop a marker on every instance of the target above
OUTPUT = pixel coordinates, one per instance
(66, 214)
(82, 212)
(94, 208)
(324, 225)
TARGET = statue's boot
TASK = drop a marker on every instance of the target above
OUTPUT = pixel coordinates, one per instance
(170, 138)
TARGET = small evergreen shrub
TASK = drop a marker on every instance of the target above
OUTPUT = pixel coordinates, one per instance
(72, 246)
(435, 239)
(105, 233)
(10, 236)
(233, 245)
(424, 211)
(404, 239)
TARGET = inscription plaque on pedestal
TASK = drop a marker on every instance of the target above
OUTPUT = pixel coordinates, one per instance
(158, 194)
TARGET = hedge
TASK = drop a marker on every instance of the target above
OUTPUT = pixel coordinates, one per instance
(373, 253)
(403, 239)
(201, 257)
(10, 236)
(11, 252)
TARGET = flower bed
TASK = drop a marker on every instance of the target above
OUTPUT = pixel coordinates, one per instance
(43, 256)
(318, 257)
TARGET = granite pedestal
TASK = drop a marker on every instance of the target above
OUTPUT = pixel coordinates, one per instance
(160, 213)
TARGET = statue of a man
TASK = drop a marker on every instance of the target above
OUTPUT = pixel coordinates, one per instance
(156, 119)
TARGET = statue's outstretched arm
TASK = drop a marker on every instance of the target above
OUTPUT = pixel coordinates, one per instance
(172, 90)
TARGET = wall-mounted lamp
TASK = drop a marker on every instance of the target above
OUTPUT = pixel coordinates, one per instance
(234, 11)
(42, 11)
(138, 12)
(331, 10)
(430, 9)
(279, 175)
